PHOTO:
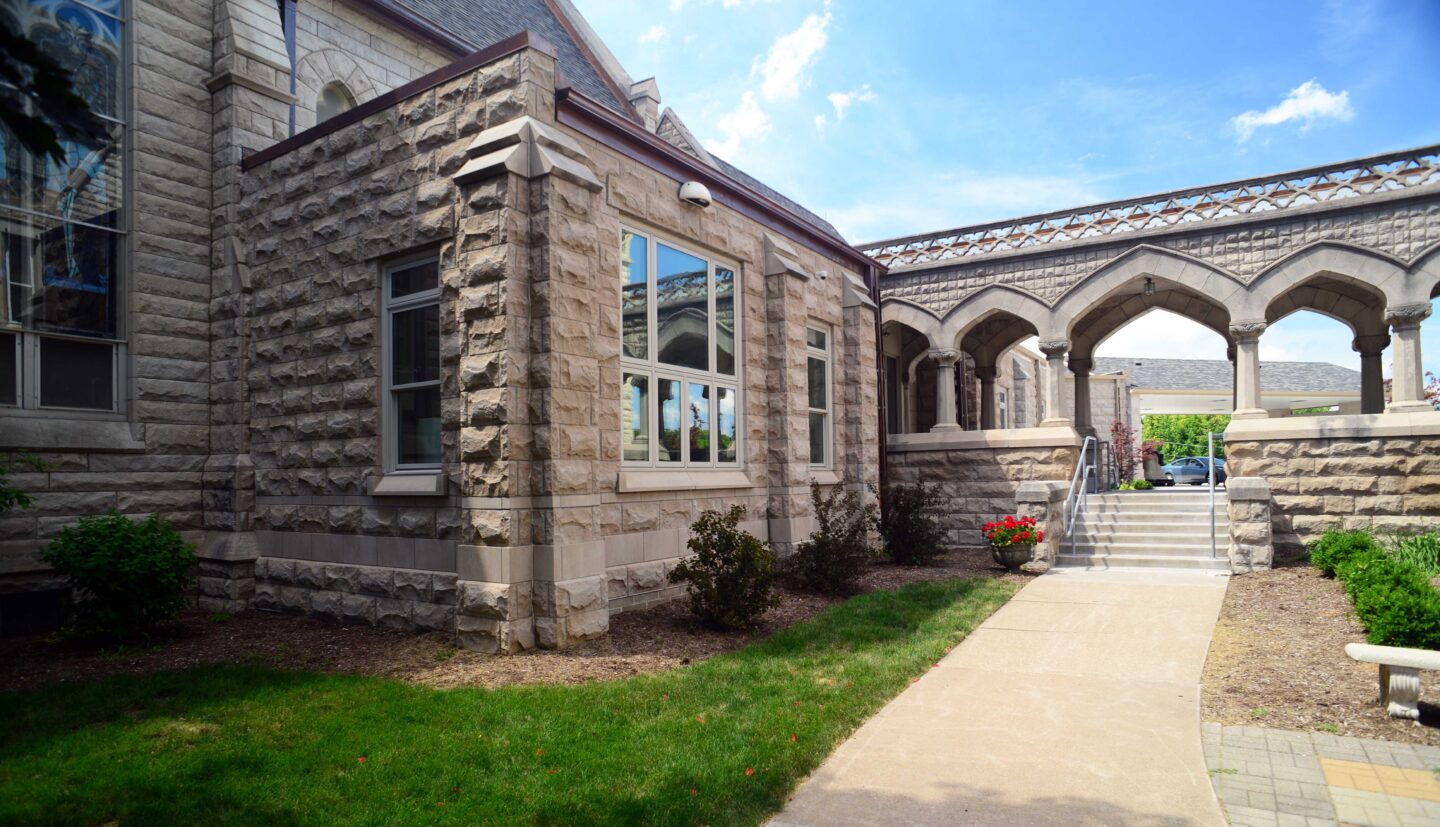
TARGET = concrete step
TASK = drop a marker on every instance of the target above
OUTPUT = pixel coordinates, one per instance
(1168, 517)
(1133, 561)
(1153, 511)
(1157, 538)
(1196, 549)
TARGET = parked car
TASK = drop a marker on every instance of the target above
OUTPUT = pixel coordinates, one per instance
(1190, 470)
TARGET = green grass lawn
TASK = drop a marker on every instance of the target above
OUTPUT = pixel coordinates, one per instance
(721, 742)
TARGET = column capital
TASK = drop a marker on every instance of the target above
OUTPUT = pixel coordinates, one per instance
(1054, 348)
(1406, 315)
(945, 356)
(1081, 364)
(1370, 345)
(1247, 329)
(986, 373)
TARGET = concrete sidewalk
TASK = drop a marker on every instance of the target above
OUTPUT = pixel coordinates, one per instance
(1077, 703)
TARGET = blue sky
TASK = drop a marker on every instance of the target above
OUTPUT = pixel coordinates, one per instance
(901, 117)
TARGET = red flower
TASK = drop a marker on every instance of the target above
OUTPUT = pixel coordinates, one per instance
(1025, 535)
(1039, 536)
(700, 719)
(749, 770)
(360, 760)
(792, 737)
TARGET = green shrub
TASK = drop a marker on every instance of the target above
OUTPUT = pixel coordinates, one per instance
(731, 577)
(127, 575)
(910, 525)
(1335, 547)
(1421, 551)
(1143, 485)
(838, 550)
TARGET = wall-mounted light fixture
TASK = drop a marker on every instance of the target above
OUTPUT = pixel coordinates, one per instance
(694, 192)
(1149, 286)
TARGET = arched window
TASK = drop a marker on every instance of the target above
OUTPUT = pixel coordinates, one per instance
(333, 100)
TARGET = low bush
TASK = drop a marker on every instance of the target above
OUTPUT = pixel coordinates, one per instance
(1335, 547)
(1393, 598)
(127, 575)
(838, 550)
(731, 577)
(1420, 550)
(910, 524)
(1143, 485)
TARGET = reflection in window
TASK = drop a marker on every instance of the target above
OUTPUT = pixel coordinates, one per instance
(61, 221)
(412, 307)
(682, 308)
(674, 305)
(817, 387)
(334, 99)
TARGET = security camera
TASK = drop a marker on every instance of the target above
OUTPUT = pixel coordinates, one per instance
(694, 192)
(822, 274)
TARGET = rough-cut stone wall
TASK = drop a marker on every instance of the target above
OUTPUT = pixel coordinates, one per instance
(1383, 483)
(1401, 229)
(979, 484)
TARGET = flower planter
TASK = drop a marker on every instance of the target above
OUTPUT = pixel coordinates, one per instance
(1014, 556)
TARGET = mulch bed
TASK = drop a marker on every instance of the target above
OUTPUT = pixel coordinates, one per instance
(651, 640)
(1278, 660)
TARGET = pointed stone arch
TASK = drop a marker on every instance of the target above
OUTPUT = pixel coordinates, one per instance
(1335, 278)
(1213, 285)
(1423, 276)
(988, 301)
(914, 316)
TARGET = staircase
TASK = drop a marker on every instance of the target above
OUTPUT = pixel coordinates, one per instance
(1164, 528)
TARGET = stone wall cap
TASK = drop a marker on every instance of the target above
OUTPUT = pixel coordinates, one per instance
(1359, 426)
(995, 438)
(1247, 489)
(1394, 656)
(635, 480)
(1041, 491)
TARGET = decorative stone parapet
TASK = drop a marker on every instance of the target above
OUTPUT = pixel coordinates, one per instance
(1045, 501)
(1251, 543)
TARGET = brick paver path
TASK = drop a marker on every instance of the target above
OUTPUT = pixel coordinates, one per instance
(1274, 778)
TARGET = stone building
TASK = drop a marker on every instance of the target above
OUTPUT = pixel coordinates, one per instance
(398, 312)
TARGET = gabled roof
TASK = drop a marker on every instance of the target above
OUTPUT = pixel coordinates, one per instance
(1216, 374)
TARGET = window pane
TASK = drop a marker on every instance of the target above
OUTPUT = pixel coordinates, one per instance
(77, 374)
(699, 423)
(85, 43)
(724, 321)
(815, 338)
(668, 400)
(60, 276)
(816, 382)
(635, 417)
(634, 306)
(84, 185)
(418, 425)
(817, 438)
(416, 278)
(892, 395)
(682, 308)
(9, 373)
(725, 431)
(415, 345)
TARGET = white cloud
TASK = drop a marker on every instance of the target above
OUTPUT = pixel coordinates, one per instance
(677, 5)
(782, 70)
(1161, 334)
(747, 122)
(655, 34)
(843, 100)
(1306, 103)
(821, 122)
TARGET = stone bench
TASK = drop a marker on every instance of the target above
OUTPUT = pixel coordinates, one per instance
(1399, 674)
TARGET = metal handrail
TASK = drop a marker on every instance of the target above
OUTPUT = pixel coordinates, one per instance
(1076, 500)
(1210, 473)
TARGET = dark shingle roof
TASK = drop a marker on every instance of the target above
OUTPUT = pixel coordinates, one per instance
(1215, 374)
(485, 22)
(756, 184)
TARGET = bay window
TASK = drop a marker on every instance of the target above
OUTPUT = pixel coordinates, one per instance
(62, 224)
(412, 365)
(817, 391)
(680, 380)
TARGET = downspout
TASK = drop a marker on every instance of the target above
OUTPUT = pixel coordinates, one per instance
(287, 23)
(872, 275)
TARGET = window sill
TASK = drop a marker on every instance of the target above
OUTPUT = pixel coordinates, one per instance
(639, 480)
(425, 484)
(54, 433)
(824, 476)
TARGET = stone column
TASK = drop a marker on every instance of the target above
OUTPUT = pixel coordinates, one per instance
(1234, 385)
(1407, 387)
(987, 374)
(945, 412)
(1251, 541)
(1081, 367)
(1054, 351)
(1372, 371)
(1248, 400)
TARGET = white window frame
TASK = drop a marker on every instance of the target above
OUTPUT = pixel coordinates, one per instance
(390, 429)
(829, 410)
(1003, 403)
(654, 370)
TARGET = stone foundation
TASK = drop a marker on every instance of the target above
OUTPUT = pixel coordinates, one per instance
(1378, 472)
(397, 598)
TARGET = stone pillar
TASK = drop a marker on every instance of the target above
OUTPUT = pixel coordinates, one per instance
(945, 412)
(1248, 399)
(1054, 351)
(1251, 544)
(986, 375)
(1081, 368)
(1407, 387)
(1372, 371)
(1234, 375)
(1045, 501)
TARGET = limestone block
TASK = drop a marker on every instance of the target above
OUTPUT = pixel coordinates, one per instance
(443, 589)
(412, 585)
(355, 608)
(496, 601)
(569, 597)
(616, 584)
(267, 597)
(326, 603)
(393, 613)
(375, 581)
(432, 617)
(341, 578)
(646, 577)
(294, 599)
(489, 636)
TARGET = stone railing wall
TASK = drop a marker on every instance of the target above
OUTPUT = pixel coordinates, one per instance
(1379, 472)
(980, 473)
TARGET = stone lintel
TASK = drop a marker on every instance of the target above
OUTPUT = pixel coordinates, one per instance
(641, 480)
